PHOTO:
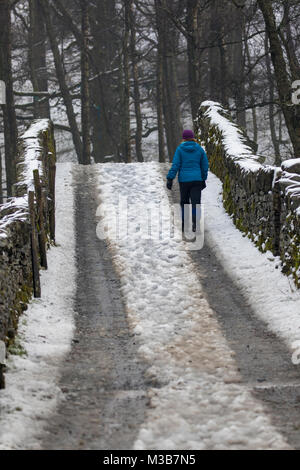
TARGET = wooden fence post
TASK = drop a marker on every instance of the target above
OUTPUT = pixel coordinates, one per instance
(34, 248)
(41, 226)
(52, 174)
(2, 364)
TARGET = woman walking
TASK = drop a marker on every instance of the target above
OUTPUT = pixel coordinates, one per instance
(191, 163)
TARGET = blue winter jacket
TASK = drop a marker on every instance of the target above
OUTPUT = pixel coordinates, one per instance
(191, 161)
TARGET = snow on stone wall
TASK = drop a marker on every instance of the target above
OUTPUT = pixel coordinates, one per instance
(36, 150)
(264, 201)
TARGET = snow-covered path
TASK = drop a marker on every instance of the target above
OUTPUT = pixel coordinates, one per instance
(272, 295)
(44, 337)
(102, 379)
(201, 403)
(177, 343)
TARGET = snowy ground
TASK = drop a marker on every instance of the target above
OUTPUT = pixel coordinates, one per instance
(201, 404)
(272, 295)
(45, 335)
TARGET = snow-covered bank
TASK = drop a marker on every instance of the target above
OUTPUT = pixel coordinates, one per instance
(272, 294)
(201, 403)
(45, 335)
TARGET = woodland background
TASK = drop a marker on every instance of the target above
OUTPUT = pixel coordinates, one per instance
(120, 79)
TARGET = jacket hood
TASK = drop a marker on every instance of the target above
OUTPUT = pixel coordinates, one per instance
(189, 146)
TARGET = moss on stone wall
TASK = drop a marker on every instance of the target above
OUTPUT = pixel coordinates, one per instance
(291, 258)
(249, 195)
(16, 278)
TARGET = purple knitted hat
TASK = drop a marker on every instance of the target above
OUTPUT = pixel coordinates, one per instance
(188, 134)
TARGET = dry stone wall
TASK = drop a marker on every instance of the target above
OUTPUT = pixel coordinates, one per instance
(264, 201)
(36, 151)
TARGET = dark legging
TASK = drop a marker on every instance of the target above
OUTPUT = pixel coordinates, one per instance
(191, 194)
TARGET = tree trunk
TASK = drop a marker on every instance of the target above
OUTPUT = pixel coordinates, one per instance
(160, 110)
(85, 86)
(194, 70)
(252, 98)
(159, 89)
(239, 63)
(1, 188)
(271, 105)
(62, 81)
(224, 80)
(214, 52)
(10, 125)
(167, 44)
(37, 59)
(291, 112)
(136, 89)
(106, 122)
(163, 110)
(280, 131)
(289, 44)
(172, 109)
(126, 144)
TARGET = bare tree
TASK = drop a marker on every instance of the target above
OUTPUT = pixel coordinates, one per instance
(126, 137)
(271, 105)
(62, 80)
(284, 86)
(1, 188)
(142, 63)
(136, 88)
(237, 34)
(167, 45)
(9, 115)
(194, 56)
(85, 86)
(159, 90)
(37, 59)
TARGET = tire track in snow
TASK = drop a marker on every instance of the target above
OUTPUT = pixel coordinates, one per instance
(263, 357)
(102, 378)
(202, 403)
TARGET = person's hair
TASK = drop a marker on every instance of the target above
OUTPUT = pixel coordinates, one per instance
(188, 140)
